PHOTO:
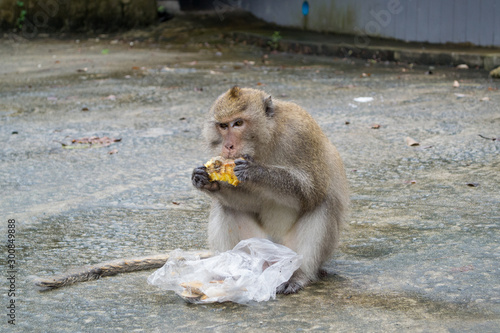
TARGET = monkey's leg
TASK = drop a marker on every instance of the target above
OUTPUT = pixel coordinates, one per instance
(314, 236)
(227, 227)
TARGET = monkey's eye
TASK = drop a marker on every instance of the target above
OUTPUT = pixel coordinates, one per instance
(238, 123)
(222, 125)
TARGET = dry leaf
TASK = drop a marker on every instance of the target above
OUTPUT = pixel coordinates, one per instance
(95, 140)
(411, 142)
(456, 84)
(375, 126)
(85, 108)
(114, 151)
(463, 268)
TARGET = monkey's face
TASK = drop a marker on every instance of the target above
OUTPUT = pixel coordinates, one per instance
(240, 123)
(233, 137)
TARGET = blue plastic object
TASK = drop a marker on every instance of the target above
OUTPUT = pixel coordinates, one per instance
(305, 8)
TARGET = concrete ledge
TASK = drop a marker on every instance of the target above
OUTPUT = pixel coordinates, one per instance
(394, 51)
(486, 61)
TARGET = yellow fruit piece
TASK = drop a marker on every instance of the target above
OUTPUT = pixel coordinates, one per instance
(221, 169)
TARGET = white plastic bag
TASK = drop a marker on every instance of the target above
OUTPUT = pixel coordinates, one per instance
(250, 272)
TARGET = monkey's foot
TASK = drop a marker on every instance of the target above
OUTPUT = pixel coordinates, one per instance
(297, 282)
(289, 287)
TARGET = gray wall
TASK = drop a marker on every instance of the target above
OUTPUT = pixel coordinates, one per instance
(438, 21)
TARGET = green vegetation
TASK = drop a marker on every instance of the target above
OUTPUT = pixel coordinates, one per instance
(275, 40)
(22, 15)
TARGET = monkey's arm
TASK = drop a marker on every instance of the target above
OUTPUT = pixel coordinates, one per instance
(109, 268)
(280, 179)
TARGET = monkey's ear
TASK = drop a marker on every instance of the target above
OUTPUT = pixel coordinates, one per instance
(268, 104)
(235, 92)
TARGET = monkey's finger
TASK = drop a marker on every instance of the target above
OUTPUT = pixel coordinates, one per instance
(200, 179)
(241, 166)
(200, 169)
(248, 158)
(241, 172)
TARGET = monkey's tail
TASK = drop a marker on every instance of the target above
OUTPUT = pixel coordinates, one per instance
(108, 268)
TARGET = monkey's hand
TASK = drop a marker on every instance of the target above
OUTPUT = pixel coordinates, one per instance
(246, 168)
(201, 180)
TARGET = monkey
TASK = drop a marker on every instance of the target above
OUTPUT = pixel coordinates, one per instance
(293, 188)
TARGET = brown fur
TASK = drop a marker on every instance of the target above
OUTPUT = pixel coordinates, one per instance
(293, 187)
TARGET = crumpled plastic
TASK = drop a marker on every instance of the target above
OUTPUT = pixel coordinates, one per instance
(250, 272)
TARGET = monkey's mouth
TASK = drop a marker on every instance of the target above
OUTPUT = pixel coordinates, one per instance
(229, 156)
(235, 157)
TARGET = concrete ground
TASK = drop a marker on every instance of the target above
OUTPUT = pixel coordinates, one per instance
(420, 252)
